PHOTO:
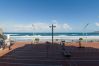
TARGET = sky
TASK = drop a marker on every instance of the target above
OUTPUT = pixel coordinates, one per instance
(38, 15)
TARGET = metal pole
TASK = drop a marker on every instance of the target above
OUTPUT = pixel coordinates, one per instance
(33, 33)
(86, 37)
(86, 32)
(52, 31)
(33, 29)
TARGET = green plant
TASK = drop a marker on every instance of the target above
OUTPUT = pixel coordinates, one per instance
(80, 39)
(1, 36)
(37, 40)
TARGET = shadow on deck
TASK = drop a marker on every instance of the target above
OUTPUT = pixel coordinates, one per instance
(51, 55)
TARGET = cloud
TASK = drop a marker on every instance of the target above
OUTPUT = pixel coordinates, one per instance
(36, 27)
(54, 21)
(42, 27)
(66, 27)
(97, 24)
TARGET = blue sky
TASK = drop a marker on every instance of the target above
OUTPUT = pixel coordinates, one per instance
(67, 15)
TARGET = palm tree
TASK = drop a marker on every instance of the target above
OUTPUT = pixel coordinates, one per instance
(80, 39)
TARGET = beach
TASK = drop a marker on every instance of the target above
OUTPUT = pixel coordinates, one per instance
(58, 37)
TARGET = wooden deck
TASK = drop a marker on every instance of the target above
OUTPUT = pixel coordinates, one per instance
(26, 54)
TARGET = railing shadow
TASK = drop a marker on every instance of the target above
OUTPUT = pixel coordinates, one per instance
(47, 53)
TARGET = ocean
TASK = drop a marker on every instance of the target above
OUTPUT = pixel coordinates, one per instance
(57, 36)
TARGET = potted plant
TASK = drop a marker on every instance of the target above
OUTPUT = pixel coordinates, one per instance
(36, 40)
(80, 39)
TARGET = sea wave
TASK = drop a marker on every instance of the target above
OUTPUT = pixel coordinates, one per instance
(42, 38)
(12, 34)
(74, 34)
(48, 36)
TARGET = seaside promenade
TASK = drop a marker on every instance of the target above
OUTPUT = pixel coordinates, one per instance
(44, 54)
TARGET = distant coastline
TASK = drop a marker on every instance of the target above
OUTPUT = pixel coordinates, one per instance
(96, 32)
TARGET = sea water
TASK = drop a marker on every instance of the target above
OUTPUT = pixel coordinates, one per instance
(57, 36)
